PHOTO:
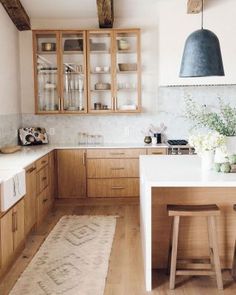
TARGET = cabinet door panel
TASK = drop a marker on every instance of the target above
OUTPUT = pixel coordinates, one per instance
(42, 179)
(19, 233)
(6, 238)
(30, 199)
(71, 173)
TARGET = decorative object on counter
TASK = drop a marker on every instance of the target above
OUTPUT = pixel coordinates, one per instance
(123, 44)
(148, 139)
(48, 46)
(205, 145)
(73, 45)
(226, 167)
(157, 132)
(10, 149)
(105, 13)
(223, 120)
(69, 257)
(202, 55)
(158, 137)
(126, 67)
(32, 136)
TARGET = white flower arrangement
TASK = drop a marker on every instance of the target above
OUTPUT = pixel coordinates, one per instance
(207, 142)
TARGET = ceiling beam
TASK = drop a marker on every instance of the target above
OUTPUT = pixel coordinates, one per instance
(105, 13)
(194, 6)
(17, 14)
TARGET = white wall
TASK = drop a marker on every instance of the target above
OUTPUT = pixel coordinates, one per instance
(9, 65)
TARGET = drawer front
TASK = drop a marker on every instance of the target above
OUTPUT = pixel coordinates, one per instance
(112, 168)
(41, 163)
(43, 204)
(118, 187)
(115, 153)
(157, 151)
(42, 179)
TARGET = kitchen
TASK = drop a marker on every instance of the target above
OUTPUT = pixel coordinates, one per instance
(122, 134)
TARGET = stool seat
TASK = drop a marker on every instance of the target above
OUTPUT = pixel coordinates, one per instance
(209, 212)
(193, 210)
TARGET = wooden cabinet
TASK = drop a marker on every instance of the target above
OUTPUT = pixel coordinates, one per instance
(12, 233)
(157, 151)
(59, 71)
(71, 172)
(30, 198)
(114, 71)
(113, 172)
(52, 176)
(44, 186)
(93, 71)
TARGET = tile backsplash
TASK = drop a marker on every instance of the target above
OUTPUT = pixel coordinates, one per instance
(168, 108)
(9, 125)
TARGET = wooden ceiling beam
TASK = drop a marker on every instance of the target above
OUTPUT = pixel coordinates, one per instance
(17, 13)
(105, 13)
(194, 6)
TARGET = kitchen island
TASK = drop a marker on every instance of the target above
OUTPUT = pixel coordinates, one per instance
(180, 180)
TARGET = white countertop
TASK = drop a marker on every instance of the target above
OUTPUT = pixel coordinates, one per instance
(29, 154)
(181, 171)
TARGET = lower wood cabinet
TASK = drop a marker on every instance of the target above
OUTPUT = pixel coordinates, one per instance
(30, 198)
(12, 233)
(71, 173)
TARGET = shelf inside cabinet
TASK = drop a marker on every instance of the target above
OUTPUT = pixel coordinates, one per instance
(46, 52)
(126, 51)
(73, 52)
(100, 73)
(127, 89)
(126, 72)
(102, 90)
(100, 52)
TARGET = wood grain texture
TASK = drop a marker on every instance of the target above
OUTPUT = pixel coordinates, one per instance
(157, 151)
(19, 233)
(194, 6)
(193, 236)
(71, 172)
(17, 13)
(112, 168)
(105, 13)
(115, 153)
(30, 198)
(42, 177)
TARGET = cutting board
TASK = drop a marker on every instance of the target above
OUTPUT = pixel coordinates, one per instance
(10, 149)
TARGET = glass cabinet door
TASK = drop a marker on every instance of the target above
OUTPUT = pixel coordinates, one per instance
(46, 72)
(74, 90)
(100, 79)
(127, 72)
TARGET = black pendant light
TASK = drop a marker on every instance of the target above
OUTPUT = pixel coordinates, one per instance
(202, 55)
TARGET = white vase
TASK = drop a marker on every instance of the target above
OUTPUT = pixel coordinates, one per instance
(231, 145)
(207, 160)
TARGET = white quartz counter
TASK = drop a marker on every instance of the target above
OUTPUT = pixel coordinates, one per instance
(181, 171)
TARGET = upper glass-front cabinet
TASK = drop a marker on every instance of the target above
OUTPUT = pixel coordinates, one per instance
(95, 71)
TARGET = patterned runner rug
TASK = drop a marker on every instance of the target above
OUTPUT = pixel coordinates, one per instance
(73, 260)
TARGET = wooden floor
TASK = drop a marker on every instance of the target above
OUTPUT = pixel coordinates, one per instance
(125, 276)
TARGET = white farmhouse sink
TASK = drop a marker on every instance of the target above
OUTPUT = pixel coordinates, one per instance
(12, 187)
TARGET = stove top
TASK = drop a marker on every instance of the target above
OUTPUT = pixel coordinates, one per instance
(177, 142)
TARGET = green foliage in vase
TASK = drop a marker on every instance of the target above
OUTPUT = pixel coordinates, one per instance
(223, 120)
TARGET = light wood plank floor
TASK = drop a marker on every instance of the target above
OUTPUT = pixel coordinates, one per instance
(125, 276)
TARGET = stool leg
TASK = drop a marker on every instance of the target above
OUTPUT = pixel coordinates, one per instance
(215, 253)
(210, 243)
(174, 251)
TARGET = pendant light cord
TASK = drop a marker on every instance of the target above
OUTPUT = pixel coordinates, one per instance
(202, 15)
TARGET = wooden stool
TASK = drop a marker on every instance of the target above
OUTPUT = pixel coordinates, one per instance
(234, 259)
(210, 212)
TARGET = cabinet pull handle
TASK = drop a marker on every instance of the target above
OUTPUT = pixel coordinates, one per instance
(84, 158)
(117, 187)
(117, 154)
(14, 222)
(43, 162)
(45, 200)
(118, 168)
(31, 170)
(44, 178)
(16, 225)
(156, 153)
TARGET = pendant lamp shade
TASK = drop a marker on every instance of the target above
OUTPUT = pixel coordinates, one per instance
(202, 55)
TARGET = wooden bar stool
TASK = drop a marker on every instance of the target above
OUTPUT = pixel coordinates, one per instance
(234, 259)
(210, 212)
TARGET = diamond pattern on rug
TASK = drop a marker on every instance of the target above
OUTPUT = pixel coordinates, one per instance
(76, 251)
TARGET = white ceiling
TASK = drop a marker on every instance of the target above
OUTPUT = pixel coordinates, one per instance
(83, 9)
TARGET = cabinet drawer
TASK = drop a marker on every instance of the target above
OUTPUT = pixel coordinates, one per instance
(157, 151)
(41, 162)
(115, 153)
(118, 187)
(112, 168)
(43, 201)
(42, 179)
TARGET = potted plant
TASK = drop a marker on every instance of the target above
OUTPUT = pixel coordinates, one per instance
(223, 120)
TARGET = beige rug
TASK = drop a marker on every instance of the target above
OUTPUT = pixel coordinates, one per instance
(73, 260)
